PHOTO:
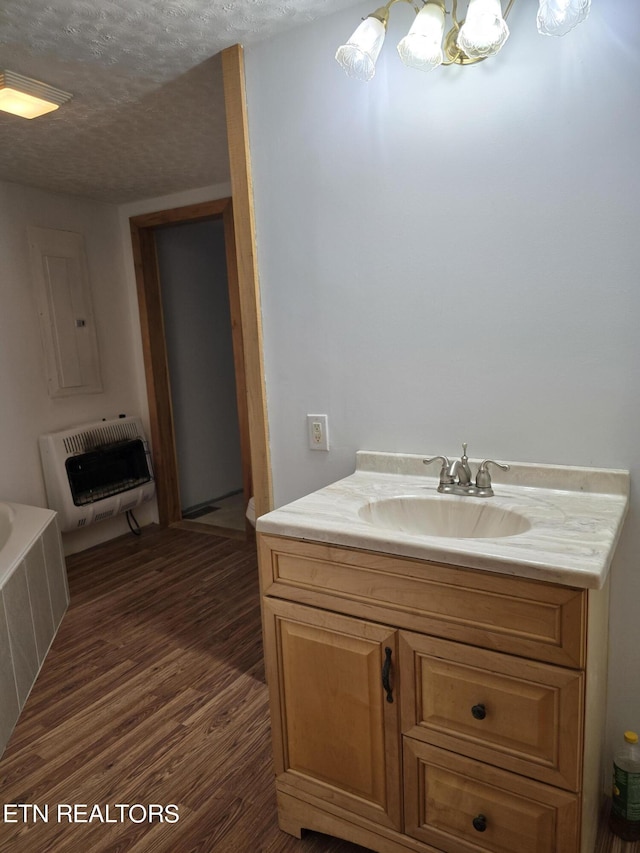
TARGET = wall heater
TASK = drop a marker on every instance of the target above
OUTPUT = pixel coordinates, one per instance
(97, 470)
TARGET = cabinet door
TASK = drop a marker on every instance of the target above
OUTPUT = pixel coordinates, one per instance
(335, 726)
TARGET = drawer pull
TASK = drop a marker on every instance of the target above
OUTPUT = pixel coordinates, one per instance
(479, 712)
(480, 823)
(386, 670)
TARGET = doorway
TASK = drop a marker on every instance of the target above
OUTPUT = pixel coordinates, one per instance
(198, 335)
(146, 233)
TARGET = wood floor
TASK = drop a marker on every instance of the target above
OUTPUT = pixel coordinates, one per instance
(154, 693)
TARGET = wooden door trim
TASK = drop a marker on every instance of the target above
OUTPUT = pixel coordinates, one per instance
(247, 267)
(156, 371)
(237, 339)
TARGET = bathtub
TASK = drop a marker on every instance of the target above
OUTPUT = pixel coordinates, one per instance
(34, 596)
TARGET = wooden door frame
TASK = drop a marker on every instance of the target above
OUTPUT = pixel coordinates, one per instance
(244, 295)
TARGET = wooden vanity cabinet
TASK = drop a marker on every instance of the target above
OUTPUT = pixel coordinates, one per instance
(422, 707)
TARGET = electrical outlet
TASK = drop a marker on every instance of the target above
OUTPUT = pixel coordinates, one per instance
(318, 431)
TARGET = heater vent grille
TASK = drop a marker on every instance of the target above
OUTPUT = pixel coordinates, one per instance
(100, 516)
(85, 440)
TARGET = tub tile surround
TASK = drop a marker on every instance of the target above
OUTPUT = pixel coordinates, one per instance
(22, 631)
(56, 573)
(576, 517)
(34, 596)
(9, 705)
(40, 600)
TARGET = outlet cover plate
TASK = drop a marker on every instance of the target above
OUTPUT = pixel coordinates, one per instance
(318, 432)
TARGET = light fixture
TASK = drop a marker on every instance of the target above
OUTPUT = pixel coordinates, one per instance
(28, 98)
(479, 35)
(484, 30)
(557, 17)
(358, 56)
(422, 46)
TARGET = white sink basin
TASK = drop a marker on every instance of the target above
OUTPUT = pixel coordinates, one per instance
(444, 515)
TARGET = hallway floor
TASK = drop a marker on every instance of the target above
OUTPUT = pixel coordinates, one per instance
(225, 515)
(153, 693)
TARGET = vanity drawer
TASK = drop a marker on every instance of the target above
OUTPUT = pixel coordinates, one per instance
(537, 620)
(517, 714)
(462, 806)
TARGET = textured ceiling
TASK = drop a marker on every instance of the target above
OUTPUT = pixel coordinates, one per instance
(147, 116)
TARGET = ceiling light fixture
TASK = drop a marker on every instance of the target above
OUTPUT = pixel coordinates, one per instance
(468, 40)
(28, 98)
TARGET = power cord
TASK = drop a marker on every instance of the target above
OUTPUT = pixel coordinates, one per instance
(131, 518)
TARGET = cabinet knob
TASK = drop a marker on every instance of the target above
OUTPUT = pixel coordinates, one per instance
(479, 712)
(479, 823)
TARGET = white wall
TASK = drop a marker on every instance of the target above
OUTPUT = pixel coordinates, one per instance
(26, 409)
(454, 257)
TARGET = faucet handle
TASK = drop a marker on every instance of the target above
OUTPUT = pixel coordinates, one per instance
(464, 471)
(483, 477)
(445, 476)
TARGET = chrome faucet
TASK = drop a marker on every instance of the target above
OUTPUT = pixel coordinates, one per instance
(456, 476)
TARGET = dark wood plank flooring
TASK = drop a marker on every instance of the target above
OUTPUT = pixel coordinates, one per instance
(153, 693)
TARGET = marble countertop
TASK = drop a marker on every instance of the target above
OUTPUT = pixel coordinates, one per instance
(576, 516)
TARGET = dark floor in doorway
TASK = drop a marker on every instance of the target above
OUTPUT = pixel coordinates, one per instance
(201, 510)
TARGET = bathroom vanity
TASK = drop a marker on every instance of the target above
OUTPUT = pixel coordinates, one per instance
(441, 692)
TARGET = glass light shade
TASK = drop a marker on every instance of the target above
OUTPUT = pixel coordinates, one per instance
(484, 30)
(25, 106)
(28, 98)
(421, 48)
(558, 17)
(358, 56)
